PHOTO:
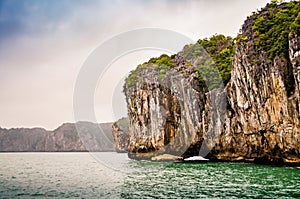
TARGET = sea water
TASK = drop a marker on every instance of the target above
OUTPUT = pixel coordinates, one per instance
(112, 175)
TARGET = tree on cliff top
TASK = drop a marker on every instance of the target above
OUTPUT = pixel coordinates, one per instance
(221, 49)
(272, 30)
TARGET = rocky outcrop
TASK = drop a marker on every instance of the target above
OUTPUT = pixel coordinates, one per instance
(82, 136)
(263, 122)
(171, 115)
(256, 117)
(120, 134)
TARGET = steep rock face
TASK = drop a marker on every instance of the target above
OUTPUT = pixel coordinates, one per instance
(120, 134)
(171, 113)
(263, 123)
(64, 138)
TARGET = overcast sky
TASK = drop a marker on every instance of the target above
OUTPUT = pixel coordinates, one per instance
(43, 45)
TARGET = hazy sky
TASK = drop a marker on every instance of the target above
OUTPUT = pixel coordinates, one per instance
(43, 45)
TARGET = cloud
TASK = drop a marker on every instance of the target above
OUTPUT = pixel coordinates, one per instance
(44, 43)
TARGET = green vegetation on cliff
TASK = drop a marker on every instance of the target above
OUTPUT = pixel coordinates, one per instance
(161, 64)
(221, 49)
(273, 26)
(214, 60)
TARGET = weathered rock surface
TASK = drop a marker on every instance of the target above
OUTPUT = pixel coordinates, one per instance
(82, 136)
(120, 134)
(260, 122)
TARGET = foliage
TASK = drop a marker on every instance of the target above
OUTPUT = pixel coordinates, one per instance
(162, 64)
(221, 50)
(197, 56)
(276, 1)
(272, 30)
(162, 60)
(241, 38)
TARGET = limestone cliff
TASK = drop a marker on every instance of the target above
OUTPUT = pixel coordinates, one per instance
(255, 117)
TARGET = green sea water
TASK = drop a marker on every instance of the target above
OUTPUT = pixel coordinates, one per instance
(112, 175)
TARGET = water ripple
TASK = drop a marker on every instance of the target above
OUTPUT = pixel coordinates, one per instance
(76, 175)
(217, 180)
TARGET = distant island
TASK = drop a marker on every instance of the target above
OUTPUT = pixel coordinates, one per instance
(69, 137)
